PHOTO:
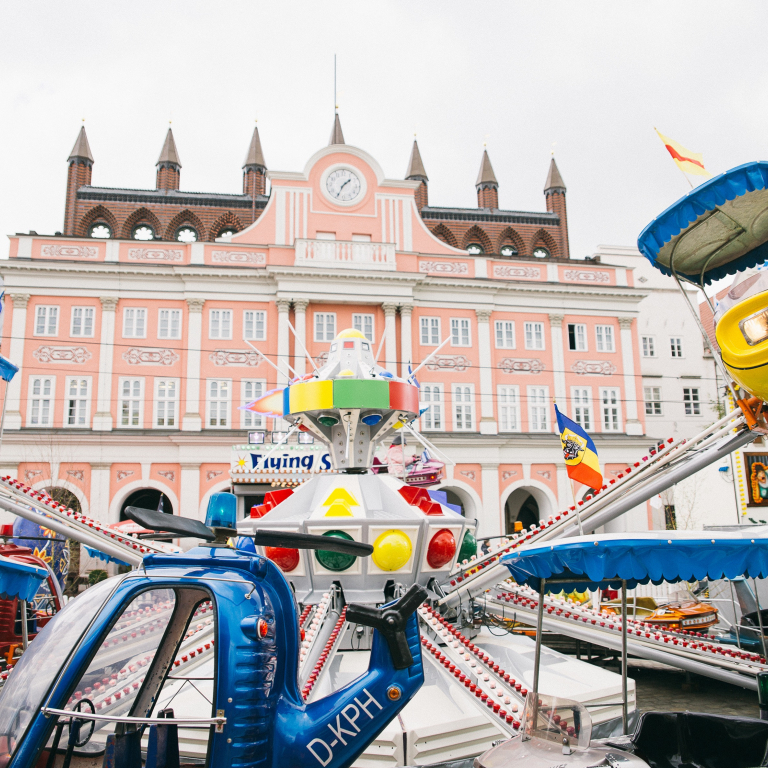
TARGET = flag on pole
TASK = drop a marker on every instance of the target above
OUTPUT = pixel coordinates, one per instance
(686, 161)
(581, 462)
(7, 369)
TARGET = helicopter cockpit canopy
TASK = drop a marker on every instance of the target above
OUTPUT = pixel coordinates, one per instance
(556, 718)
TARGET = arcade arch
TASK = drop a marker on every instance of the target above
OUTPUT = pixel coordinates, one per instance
(527, 502)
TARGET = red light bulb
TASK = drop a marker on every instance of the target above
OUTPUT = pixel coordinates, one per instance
(441, 549)
(285, 559)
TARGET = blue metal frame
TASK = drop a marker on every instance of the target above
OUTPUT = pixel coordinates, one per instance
(268, 722)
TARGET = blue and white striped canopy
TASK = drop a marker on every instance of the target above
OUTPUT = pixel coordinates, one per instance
(20, 580)
(639, 558)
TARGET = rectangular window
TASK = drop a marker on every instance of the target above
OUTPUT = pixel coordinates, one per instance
(460, 332)
(254, 325)
(131, 403)
(577, 337)
(219, 392)
(676, 346)
(41, 392)
(364, 324)
(652, 397)
(505, 334)
(46, 321)
(463, 407)
(692, 403)
(82, 321)
(604, 337)
(582, 407)
(252, 389)
(430, 331)
(77, 402)
(649, 346)
(134, 323)
(509, 409)
(538, 408)
(609, 400)
(432, 397)
(169, 324)
(166, 402)
(220, 326)
(325, 326)
(534, 335)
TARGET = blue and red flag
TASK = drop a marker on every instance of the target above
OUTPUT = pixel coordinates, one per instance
(579, 451)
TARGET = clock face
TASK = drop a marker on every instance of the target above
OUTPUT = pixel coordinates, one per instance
(343, 185)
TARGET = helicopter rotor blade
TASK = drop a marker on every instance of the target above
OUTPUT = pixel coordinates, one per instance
(290, 540)
(181, 527)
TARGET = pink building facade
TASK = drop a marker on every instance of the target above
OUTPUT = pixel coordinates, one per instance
(134, 356)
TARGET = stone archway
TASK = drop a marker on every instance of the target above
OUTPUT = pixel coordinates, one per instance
(527, 504)
(147, 498)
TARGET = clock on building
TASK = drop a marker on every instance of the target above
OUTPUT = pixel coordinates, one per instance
(343, 185)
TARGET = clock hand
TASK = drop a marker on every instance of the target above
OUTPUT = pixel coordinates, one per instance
(344, 185)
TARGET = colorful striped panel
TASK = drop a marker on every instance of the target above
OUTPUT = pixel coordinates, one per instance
(310, 396)
(403, 397)
(361, 393)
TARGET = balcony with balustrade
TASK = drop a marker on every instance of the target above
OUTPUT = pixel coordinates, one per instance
(345, 254)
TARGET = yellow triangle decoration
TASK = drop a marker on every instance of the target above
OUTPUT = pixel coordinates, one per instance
(339, 508)
(341, 494)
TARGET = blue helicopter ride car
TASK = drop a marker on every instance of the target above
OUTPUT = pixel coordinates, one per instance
(92, 688)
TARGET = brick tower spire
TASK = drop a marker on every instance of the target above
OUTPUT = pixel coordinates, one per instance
(554, 192)
(417, 173)
(168, 164)
(486, 184)
(254, 168)
(337, 137)
(78, 175)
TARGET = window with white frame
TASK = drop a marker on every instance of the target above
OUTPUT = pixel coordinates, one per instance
(220, 324)
(675, 346)
(652, 398)
(255, 325)
(77, 402)
(166, 402)
(581, 398)
(604, 338)
(46, 321)
(463, 407)
(250, 390)
(169, 324)
(577, 337)
(219, 399)
(460, 336)
(134, 323)
(41, 396)
(432, 399)
(130, 403)
(82, 321)
(430, 331)
(325, 326)
(538, 409)
(609, 402)
(364, 324)
(534, 335)
(649, 346)
(692, 402)
(509, 408)
(505, 334)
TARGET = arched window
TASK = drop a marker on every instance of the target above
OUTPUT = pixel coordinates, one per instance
(143, 232)
(508, 250)
(100, 229)
(540, 253)
(227, 232)
(186, 234)
(475, 248)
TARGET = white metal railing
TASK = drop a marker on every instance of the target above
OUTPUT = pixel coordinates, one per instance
(345, 254)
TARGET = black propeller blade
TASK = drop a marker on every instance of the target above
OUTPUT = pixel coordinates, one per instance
(391, 621)
(182, 527)
(290, 540)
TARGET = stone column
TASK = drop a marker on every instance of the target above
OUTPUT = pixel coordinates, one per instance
(488, 424)
(283, 341)
(558, 361)
(406, 339)
(189, 499)
(300, 325)
(192, 420)
(390, 343)
(102, 419)
(99, 501)
(632, 425)
(491, 523)
(16, 356)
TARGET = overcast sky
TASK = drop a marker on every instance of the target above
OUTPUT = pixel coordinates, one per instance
(589, 79)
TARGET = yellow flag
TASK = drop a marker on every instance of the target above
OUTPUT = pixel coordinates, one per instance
(687, 161)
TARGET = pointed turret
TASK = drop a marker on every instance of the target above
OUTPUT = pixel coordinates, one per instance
(416, 172)
(337, 137)
(254, 167)
(486, 184)
(78, 175)
(554, 193)
(168, 164)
